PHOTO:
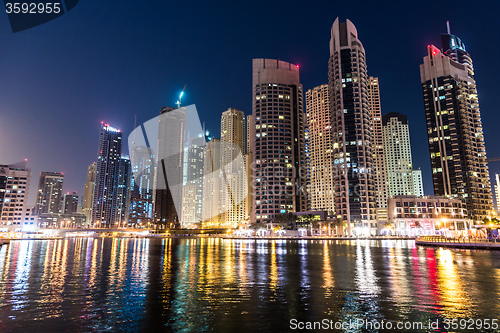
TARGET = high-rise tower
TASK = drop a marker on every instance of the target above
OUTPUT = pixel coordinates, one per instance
(70, 203)
(351, 129)
(193, 187)
(88, 193)
(212, 184)
(320, 149)
(170, 165)
(123, 192)
(233, 144)
(50, 193)
(380, 170)
(279, 167)
(497, 191)
(454, 128)
(141, 185)
(104, 207)
(398, 155)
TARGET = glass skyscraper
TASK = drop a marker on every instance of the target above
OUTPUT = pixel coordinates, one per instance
(455, 132)
(105, 203)
(279, 162)
(352, 130)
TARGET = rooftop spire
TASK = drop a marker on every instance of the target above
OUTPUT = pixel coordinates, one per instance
(448, 27)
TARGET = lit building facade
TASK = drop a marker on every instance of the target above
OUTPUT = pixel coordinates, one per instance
(14, 188)
(250, 132)
(352, 130)
(70, 203)
(279, 168)
(212, 207)
(398, 154)
(105, 202)
(141, 186)
(170, 160)
(88, 192)
(410, 215)
(50, 193)
(379, 171)
(418, 185)
(497, 193)
(320, 148)
(123, 192)
(455, 132)
(233, 140)
(192, 196)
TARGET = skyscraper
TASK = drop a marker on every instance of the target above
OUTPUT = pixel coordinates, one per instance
(454, 128)
(70, 203)
(235, 179)
(280, 170)
(88, 193)
(398, 154)
(418, 186)
(319, 125)
(50, 193)
(170, 165)
(104, 209)
(250, 134)
(352, 130)
(193, 187)
(248, 158)
(123, 192)
(379, 173)
(141, 185)
(497, 191)
(14, 187)
(212, 184)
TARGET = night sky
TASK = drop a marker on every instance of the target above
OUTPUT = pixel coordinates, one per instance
(109, 60)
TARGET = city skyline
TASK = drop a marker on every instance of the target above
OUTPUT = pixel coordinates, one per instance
(99, 108)
(234, 166)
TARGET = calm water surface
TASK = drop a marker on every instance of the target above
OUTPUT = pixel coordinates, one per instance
(213, 284)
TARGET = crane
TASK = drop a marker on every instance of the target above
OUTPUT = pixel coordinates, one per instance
(494, 159)
(180, 97)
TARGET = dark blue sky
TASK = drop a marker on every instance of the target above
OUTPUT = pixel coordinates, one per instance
(109, 60)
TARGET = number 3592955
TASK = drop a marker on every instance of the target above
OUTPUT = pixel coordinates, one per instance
(33, 8)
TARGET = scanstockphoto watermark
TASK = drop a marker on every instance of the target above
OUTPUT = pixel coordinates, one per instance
(172, 153)
(364, 324)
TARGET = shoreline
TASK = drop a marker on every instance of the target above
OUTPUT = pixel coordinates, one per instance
(459, 245)
(6, 241)
(323, 238)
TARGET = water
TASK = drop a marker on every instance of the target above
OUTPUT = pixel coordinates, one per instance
(213, 284)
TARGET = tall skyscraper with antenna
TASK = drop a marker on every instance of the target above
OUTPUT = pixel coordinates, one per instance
(454, 128)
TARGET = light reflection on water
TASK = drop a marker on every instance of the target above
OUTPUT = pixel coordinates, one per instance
(111, 284)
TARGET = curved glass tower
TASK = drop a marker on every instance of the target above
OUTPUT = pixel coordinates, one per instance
(352, 130)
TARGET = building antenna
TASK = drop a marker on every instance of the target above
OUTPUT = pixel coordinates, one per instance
(448, 27)
(180, 97)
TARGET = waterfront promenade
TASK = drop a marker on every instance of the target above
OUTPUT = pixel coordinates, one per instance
(461, 242)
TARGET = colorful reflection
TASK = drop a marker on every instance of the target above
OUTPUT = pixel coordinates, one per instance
(196, 284)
